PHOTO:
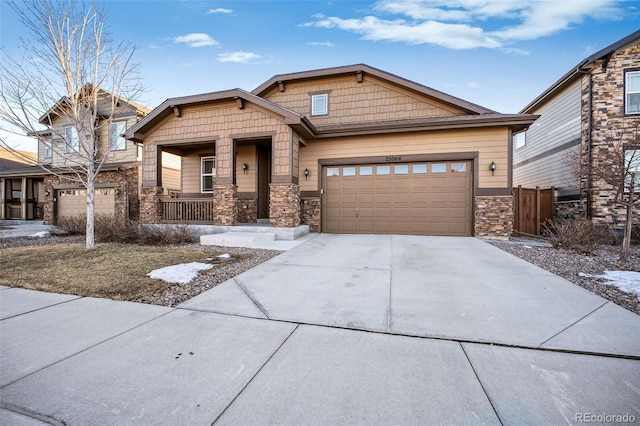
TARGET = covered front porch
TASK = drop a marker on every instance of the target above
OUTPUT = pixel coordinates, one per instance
(239, 161)
(21, 198)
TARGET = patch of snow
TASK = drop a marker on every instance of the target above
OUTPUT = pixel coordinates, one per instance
(582, 274)
(182, 273)
(41, 234)
(527, 246)
(628, 281)
(224, 256)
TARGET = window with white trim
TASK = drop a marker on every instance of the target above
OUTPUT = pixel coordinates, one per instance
(632, 92)
(48, 151)
(207, 173)
(72, 141)
(116, 138)
(320, 104)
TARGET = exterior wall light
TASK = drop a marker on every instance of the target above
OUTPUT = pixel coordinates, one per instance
(492, 167)
(245, 167)
(306, 174)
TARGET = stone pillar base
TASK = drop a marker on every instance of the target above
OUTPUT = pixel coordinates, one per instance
(494, 216)
(311, 213)
(225, 209)
(284, 205)
(150, 204)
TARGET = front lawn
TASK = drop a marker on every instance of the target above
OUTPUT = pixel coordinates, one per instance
(114, 271)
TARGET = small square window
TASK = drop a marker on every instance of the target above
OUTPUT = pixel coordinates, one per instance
(348, 171)
(333, 171)
(320, 104)
(366, 170)
(419, 169)
(439, 168)
(383, 170)
(401, 169)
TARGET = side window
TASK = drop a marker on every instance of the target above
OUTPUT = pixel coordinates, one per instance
(519, 140)
(116, 140)
(72, 141)
(632, 92)
(320, 104)
(207, 173)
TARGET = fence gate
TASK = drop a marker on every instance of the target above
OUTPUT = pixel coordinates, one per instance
(532, 208)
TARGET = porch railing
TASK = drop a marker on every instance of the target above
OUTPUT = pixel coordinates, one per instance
(187, 210)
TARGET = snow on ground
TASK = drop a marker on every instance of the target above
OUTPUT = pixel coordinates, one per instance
(41, 234)
(628, 281)
(182, 273)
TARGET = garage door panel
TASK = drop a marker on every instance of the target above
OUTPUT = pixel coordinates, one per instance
(399, 198)
(73, 202)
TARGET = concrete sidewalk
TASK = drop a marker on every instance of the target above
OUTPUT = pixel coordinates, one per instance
(70, 360)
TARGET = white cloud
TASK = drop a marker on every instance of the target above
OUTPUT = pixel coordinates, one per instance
(321, 43)
(238, 56)
(468, 24)
(219, 10)
(473, 85)
(454, 36)
(196, 40)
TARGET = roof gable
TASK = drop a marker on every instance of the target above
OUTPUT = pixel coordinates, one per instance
(359, 70)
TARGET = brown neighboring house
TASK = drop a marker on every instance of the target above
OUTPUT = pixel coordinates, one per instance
(34, 192)
(578, 114)
(351, 149)
(21, 185)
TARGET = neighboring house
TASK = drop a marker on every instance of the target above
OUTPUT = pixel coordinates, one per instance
(578, 114)
(350, 149)
(21, 185)
(117, 185)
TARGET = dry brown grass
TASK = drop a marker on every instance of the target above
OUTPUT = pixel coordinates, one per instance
(114, 271)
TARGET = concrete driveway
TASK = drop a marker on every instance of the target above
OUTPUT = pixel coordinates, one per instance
(370, 330)
(461, 289)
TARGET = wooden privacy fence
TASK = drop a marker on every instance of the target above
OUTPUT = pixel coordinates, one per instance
(532, 208)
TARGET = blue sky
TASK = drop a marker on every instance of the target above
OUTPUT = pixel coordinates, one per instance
(497, 53)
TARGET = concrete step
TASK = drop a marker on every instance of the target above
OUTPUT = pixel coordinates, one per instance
(237, 239)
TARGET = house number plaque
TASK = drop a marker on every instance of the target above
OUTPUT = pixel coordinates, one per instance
(390, 158)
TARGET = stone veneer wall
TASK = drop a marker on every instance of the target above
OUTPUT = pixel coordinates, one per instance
(150, 204)
(247, 210)
(574, 209)
(608, 122)
(225, 198)
(310, 213)
(284, 205)
(124, 182)
(493, 216)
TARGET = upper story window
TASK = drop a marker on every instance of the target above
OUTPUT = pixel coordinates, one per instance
(207, 173)
(48, 151)
(72, 141)
(632, 92)
(520, 139)
(116, 140)
(320, 104)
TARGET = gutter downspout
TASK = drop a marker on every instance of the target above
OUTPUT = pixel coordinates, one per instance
(588, 141)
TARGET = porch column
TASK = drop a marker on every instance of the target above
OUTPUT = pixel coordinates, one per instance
(23, 199)
(284, 190)
(2, 199)
(225, 191)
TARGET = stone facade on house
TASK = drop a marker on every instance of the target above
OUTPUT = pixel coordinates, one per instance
(247, 210)
(493, 216)
(150, 206)
(611, 129)
(284, 205)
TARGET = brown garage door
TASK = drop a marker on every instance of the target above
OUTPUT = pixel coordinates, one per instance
(401, 198)
(73, 202)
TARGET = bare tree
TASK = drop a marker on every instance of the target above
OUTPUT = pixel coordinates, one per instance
(613, 165)
(70, 73)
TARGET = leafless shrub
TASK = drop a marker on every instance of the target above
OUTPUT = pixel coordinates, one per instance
(165, 234)
(579, 235)
(76, 225)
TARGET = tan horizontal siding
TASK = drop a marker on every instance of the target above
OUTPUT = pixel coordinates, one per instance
(350, 101)
(492, 145)
(191, 171)
(553, 170)
(246, 182)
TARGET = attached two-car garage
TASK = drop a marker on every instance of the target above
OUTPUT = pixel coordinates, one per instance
(73, 202)
(422, 198)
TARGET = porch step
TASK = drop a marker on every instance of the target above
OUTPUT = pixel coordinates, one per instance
(237, 239)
